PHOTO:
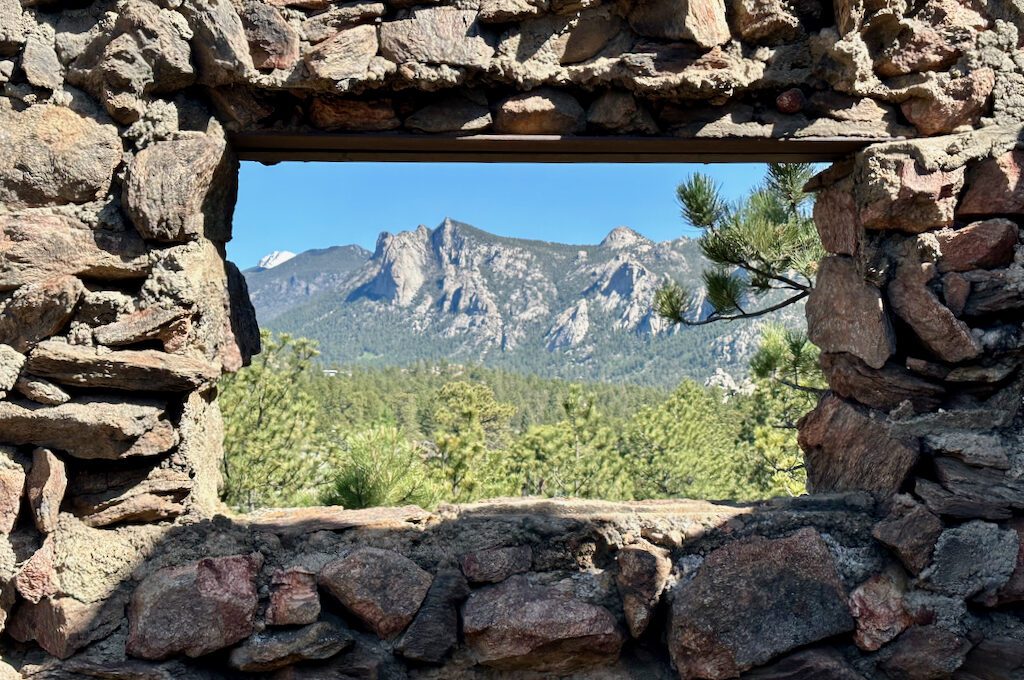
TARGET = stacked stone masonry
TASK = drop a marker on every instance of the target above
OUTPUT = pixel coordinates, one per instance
(119, 312)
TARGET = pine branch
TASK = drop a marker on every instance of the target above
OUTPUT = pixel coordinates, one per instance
(747, 315)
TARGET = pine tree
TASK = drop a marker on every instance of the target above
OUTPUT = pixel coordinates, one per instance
(763, 247)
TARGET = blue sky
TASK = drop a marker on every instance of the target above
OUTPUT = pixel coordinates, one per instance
(299, 206)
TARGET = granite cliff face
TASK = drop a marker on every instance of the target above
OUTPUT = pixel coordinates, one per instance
(461, 293)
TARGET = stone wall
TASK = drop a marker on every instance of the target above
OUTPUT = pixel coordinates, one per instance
(118, 313)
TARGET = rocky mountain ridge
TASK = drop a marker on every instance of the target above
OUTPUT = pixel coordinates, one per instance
(460, 293)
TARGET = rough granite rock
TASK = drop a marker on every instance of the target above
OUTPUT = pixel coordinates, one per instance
(493, 565)
(216, 595)
(36, 247)
(956, 569)
(103, 498)
(518, 626)
(452, 114)
(926, 653)
(63, 625)
(335, 113)
(39, 310)
(961, 101)
(702, 21)
(436, 35)
(1013, 590)
(182, 189)
(813, 664)
(219, 45)
(94, 428)
(12, 27)
(845, 313)
(979, 245)
(169, 326)
(325, 24)
(144, 370)
(897, 193)
(44, 489)
(835, 216)
(620, 113)
(294, 599)
(11, 363)
(783, 593)
(273, 44)
(643, 574)
(345, 59)
(270, 650)
(40, 64)
(505, 11)
(878, 607)
(847, 449)
(435, 630)
(37, 577)
(911, 531)
(41, 391)
(883, 389)
(944, 335)
(540, 112)
(12, 487)
(382, 588)
(768, 23)
(51, 155)
(994, 187)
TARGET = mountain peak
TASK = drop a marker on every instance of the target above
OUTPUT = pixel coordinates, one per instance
(278, 257)
(624, 237)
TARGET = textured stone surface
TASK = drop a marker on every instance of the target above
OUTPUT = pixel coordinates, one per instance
(140, 370)
(273, 44)
(11, 363)
(979, 245)
(104, 498)
(36, 247)
(381, 587)
(63, 625)
(959, 102)
(44, 489)
(956, 569)
(294, 599)
(878, 607)
(41, 391)
(216, 595)
(926, 653)
(835, 216)
(763, 22)
(884, 389)
(268, 651)
(436, 35)
(333, 113)
(169, 326)
(519, 626)
(455, 114)
(51, 155)
(182, 189)
(543, 112)
(846, 449)
(12, 486)
(945, 336)
(346, 58)
(994, 187)
(786, 593)
(911, 531)
(492, 565)
(90, 428)
(900, 194)
(847, 314)
(37, 578)
(435, 630)
(643, 574)
(620, 113)
(702, 21)
(39, 310)
(825, 664)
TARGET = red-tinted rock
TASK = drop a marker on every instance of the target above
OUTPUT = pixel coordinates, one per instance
(702, 21)
(835, 216)
(332, 113)
(754, 600)
(926, 653)
(540, 112)
(272, 42)
(911, 531)
(955, 291)
(845, 313)
(131, 494)
(960, 102)
(183, 189)
(37, 579)
(918, 48)
(812, 664)
(944, 335)
(884, 388)
(275, 649)
(877, 605)
(381, 587)
(12, 486)
(496, 564)
(216, 597)
(294, 599)
(435, 630)
(764, 22)
(847, 449)
(898, 194)
(152, 323)
(643, 572)
(519, 626)
(995, 658)
(995, 187)
(44, 488)
(981, 245)
(63, 625)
